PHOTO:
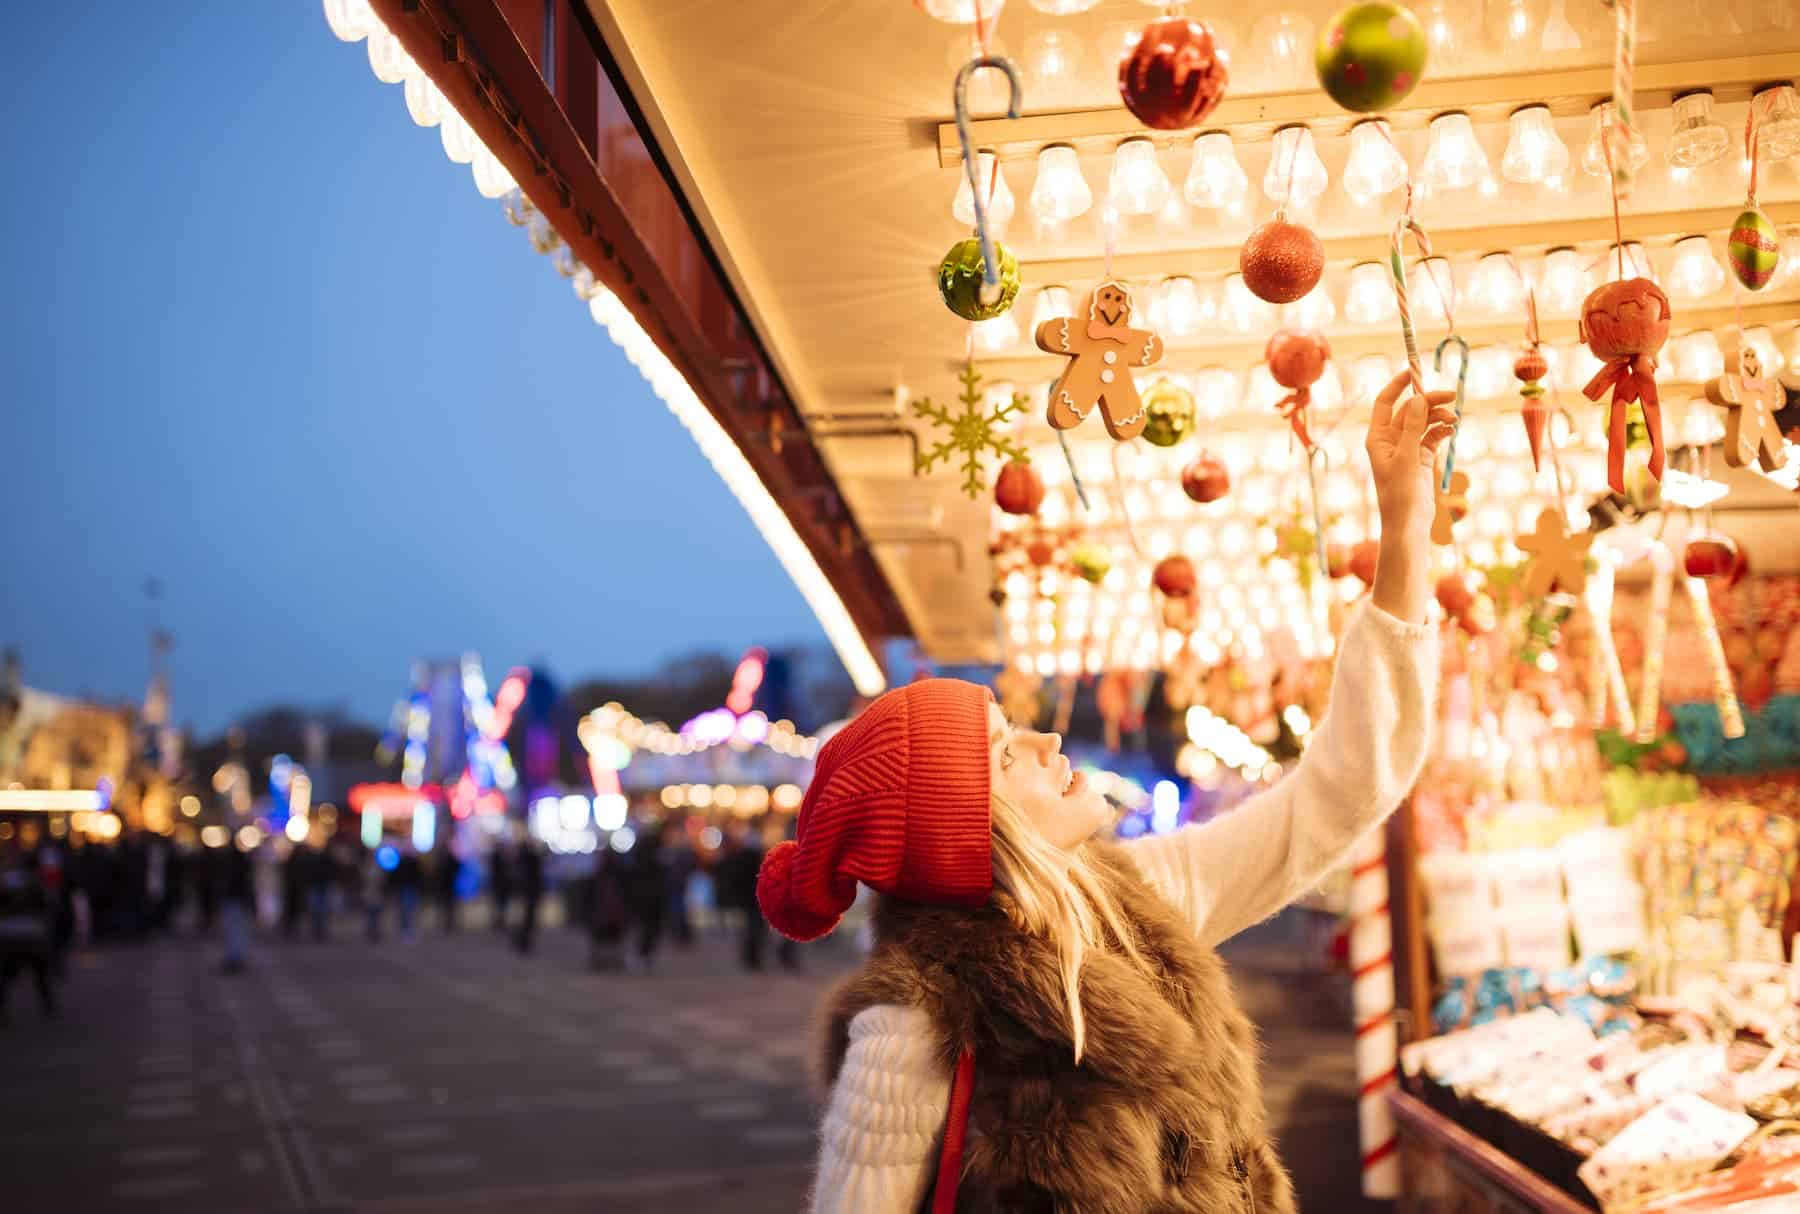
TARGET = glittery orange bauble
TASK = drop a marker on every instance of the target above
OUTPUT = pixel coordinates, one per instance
(1281, 261)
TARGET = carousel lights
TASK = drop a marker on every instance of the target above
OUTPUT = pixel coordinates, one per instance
(1369, 299)
(1375, 166)
(1534, 151)
(351, 20)
(999, 196)
(1697, 139)
(459, 140)
(1593, 156)
(1293, 156)
(1061, 192)
(424, 102)
(1138, 185)
(1216, 180)
(1453, 157)
(1695, 273)
(388, 59)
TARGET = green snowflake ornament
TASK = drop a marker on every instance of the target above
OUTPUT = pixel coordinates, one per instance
(973, 431)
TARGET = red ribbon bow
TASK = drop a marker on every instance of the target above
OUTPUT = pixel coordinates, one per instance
(1630, 378)
(1293, 407)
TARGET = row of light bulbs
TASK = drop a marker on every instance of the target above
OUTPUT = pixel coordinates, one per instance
(1491, 288)
(1454, 160)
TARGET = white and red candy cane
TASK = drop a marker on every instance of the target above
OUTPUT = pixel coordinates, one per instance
(1618, 136)
(1731, 713)
(1397, 267)
(1656, 639)
(1372, 1001)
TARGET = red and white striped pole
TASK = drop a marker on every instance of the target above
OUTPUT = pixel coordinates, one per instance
(1372, 1001)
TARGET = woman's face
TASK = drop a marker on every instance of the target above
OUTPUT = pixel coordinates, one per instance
(1030, 773)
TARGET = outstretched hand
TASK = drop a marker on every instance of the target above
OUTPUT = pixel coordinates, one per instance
(1402, 445)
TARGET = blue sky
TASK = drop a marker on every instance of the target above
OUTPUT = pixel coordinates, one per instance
(267, 345)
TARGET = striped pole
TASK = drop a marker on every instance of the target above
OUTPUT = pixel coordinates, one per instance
(1372, 1001)
(1624, 104)
(1731, 713)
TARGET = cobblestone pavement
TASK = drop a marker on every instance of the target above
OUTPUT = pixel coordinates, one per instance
(446, 1073)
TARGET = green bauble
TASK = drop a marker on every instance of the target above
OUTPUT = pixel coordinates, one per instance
(960, 280)
(1168, 413)
(1091, 562)
(1371, 56)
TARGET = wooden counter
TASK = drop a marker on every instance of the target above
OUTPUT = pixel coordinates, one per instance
(1447, 1170)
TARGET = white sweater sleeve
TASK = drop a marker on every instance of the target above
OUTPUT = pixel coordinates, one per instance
(1251, 861)
(879, 1141)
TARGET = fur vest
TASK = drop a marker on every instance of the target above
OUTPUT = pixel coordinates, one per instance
(1164, 1114)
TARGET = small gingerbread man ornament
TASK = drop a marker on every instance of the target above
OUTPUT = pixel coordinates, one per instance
(1750, 399)
(1452, 505)
(1102, 347)
(1558, 559)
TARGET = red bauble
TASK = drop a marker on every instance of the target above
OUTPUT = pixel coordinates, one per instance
(1281, 261)
(1040, 551)
(1363, 558)
(1174, 77)
(1337, 560)
(1625, 319)
(1296, 357)
(1175, 576)
(1206, 479)
(1020, 490)
(1717, 557)
(1454, 595)
(1530, 366)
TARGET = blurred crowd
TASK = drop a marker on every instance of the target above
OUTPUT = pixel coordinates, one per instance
(61, 892)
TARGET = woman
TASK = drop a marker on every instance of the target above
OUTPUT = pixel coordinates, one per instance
(1042, 1025)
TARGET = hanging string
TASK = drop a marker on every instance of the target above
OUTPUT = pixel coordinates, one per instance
(1062, 437)
(1118, 492)
(1287, 189)
(1751, 142)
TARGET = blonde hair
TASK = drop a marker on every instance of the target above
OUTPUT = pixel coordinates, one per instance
(1056, 894)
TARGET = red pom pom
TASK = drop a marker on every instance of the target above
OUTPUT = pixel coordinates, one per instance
(776, 895)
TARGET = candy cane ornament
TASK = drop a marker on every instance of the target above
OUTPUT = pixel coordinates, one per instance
(1656, 637)
(1372, 1001)
(1731, 712)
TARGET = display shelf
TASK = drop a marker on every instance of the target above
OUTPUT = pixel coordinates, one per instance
(1448, 1170)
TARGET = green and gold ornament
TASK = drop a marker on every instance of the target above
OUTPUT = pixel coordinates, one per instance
(1091, 562)
(1168, 413)
(1370, 56)
(1754, 249)
(960, 280)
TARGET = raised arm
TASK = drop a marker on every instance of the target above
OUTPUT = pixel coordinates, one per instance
(1250, 862)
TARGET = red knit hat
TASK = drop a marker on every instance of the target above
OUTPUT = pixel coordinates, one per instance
(898, 801)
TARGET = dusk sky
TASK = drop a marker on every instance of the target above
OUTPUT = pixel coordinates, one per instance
(268, 346)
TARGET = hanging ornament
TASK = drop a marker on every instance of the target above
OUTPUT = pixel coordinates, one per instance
(973, 432)
(1281, 261)
(1750, 399)
(1169, 413)
(1364, 554)
(1091, 562)
(1174, 76)
(1337, 560)
(1101, 347)
(1714, 556)
(1731, 712)
(1040, 550)
(1454, 595)
(1206, 478)
(1452, 506)
(1529, 369)
(1370, 56)
(961, 279)
(1558, 559)
(1019, 489)
(1754, 249)
(1296, 359)
(1625, 324)
(1175, 576)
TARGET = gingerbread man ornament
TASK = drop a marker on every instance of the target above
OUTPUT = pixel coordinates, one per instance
(1558, 559)
(1102, 347)
(1452, 506)
(1750, 399)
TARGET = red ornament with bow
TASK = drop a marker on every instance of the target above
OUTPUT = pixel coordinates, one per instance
(1625, 324)
(1297, 359)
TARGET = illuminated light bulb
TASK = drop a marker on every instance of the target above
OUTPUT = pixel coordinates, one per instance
(1286, 43)
(1763, 341)
(998, 335)
(1534, 151)
(492, 180)
(1432, 290)
(1053, 303)
(1453, 158)
(351, 20)
(1789, 269)
(459, 140)
(1490, 374)
(963, 12)
(1440, 31)
(1061, 8)
(1697, 140)
(1695, 273)
(1053, 58)
(1293, 155)
(1564, 282)
(1369, 299)
(1242, 311)
(1495, 287)
(1593, 157)
(1216, 179)
(1138, 186)
(1790, 348)
(1217, 391)
(1314, 310)
(1369, 375)
(1578, 364)
(424, 102)
(1375, 166)
(388, 59)
(1777, 122)
(1061, 192)
(997, 195)
(1636, 262)
(1180, 310)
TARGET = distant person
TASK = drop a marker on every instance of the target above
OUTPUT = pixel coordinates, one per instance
(372, 889)
(774, 832)
(531, 892)
(501, 880)
(607, 916)
(26, 927)
(647, 893)
(408, 879)
(734, 881)
(294, 880)
(680, 864)
(444, 877)
(237, 897)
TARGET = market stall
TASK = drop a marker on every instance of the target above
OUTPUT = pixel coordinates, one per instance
(1045, 332)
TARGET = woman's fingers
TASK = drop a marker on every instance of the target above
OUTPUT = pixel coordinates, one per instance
(1423, 411)
(1387, 398)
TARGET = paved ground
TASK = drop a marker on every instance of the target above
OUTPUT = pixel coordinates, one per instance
(447, 1074)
